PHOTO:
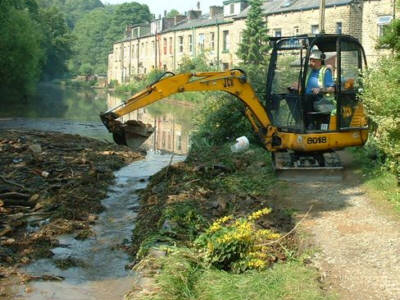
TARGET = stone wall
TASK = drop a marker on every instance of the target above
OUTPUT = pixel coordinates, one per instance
(373, 10)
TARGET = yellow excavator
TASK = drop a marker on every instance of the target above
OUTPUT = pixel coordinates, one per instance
(302, 130)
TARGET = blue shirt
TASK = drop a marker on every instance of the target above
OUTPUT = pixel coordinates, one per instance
(313, 80)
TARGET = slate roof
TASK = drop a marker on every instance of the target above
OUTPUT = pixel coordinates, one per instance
(282, 6)
(202, 21)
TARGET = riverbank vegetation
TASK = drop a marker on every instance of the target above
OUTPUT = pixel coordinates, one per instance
(47, 39)
(380, 158)
(214, 220)
(36, 43)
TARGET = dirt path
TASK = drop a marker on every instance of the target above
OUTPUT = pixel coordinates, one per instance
(357, 241)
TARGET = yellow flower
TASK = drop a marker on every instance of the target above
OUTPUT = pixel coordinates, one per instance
(259, 213)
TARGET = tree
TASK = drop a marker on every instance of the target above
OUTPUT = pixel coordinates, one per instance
(72, 9)
(172, 13)
(57, 43)
(254, 48)
(381, 98)
(99, 29)
(20, 50)
(127, 14)
(391, 36)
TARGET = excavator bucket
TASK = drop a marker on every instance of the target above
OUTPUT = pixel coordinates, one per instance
(131, 133)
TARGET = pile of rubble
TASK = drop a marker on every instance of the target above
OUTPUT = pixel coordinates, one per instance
(50, 184)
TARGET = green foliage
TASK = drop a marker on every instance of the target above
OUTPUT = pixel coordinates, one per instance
(180, 272)
(254, 48)
(391, 36)
(72, 9)
(237, 245)
(291, 280)
(183, 220)
(222, 120)
(57, 42)
(86, 69)
(97, 30)
(199, 63)
(172, 13)
(380, 183)
(21, 55)
(139, 84)
(383, 106)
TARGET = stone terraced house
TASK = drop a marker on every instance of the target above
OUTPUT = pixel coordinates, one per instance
(166, 41)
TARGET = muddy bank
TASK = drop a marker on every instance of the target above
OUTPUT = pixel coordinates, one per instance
(50, 184)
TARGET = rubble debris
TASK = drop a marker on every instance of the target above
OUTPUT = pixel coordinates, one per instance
(51, 184)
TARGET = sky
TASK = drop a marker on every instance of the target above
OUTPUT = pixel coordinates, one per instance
(158, 6)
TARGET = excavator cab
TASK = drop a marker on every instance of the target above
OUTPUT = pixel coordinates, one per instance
(290, 103)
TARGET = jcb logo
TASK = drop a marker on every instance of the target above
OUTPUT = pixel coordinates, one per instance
(317, 140)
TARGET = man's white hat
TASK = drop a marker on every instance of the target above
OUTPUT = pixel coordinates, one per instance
(316, 54)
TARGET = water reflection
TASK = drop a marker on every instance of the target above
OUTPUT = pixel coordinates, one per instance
(76, 111)
(172, 121)
(54, 101)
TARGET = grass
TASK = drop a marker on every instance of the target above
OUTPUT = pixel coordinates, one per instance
(182, 278)
(246, 182)
(376, 177)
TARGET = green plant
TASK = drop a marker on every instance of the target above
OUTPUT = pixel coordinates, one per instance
(383, 106)
(237, 245)
(184, 220)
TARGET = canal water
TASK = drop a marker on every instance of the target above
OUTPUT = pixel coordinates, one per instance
(101, 273)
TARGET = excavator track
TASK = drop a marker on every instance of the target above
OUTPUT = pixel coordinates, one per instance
(302, 166)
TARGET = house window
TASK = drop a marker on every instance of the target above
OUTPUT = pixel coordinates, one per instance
(163, 139)
(146, 49)
(225, 40)
(278, 32)
(296, 30)
(170, 45)
(232, 9)
(179, 141)
(314, 29)
(190, 43)
(338, 27)
(383, 23)
(165, 46)
(225, 66)
(201, 42)
(212, 40)
(180, 39)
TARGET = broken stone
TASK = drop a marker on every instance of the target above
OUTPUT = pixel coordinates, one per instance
(45, 174)
(92, 218)
(35, 148)
(34, 198)
(9, 242)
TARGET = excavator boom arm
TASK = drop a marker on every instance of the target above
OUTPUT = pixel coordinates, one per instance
(232, 81)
